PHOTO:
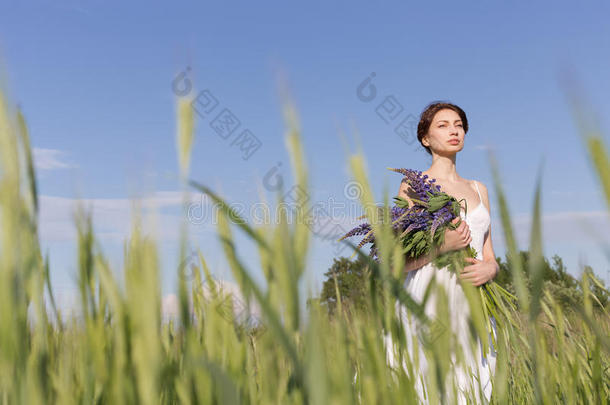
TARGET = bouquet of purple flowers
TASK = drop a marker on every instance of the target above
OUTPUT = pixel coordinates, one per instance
(422, 226)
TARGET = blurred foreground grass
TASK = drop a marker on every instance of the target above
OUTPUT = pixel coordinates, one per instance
(121, 352)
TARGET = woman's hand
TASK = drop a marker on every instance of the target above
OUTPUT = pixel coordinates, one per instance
(456, 239)
(479, 272)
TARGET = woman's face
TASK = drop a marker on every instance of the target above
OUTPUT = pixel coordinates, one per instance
(446, 133)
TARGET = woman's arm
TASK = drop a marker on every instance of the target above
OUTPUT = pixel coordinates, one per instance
(488, 250)
(414, 263)
(481, 271)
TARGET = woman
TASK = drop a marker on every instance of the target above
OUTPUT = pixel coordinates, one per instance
(441, 131)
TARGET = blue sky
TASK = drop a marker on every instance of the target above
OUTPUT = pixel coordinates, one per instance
(94, 80)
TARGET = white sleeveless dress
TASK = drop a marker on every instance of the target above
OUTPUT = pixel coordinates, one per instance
(415, 284)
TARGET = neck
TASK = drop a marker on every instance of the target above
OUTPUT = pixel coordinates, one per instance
(443, 168)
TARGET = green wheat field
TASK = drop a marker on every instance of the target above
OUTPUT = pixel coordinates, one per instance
(121, 351)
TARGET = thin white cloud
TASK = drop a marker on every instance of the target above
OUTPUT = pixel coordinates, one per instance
(112, 217)
(575, 227)
(582, 229)
(50, 159)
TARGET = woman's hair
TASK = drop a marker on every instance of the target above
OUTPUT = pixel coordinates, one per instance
(426, 117)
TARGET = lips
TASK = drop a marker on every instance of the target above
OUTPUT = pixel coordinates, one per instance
(454, 141)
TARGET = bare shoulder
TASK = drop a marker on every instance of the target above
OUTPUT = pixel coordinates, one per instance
(482, 187)
(484, 193)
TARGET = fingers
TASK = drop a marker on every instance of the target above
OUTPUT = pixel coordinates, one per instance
(472, 278)
(470, 274)
(464, 228)
(460, 236)
(465, 236)
(468, 269)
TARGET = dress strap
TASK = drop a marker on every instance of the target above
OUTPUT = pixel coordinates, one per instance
(477, 187)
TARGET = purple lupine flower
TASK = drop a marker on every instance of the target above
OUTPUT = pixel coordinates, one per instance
(361, 229)
(420, 185)
(407, 221)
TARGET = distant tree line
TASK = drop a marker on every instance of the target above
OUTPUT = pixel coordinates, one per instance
(350, 280)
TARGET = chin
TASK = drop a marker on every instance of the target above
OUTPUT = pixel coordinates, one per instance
(453, 151)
